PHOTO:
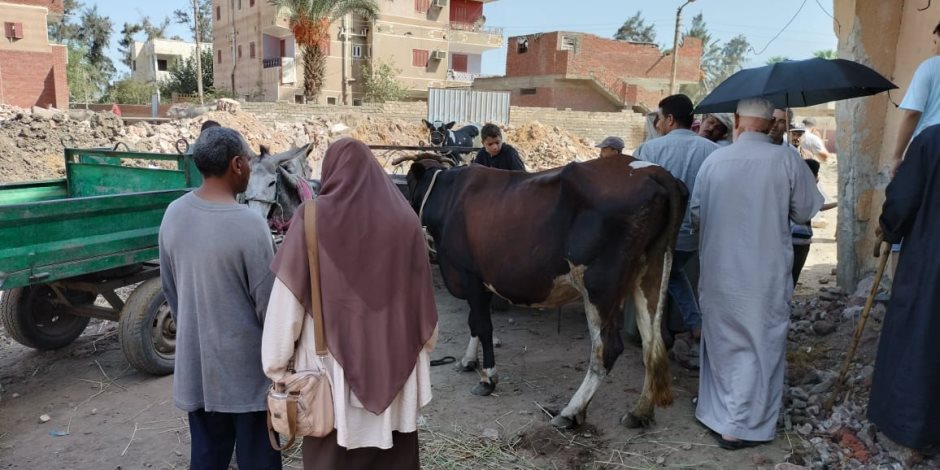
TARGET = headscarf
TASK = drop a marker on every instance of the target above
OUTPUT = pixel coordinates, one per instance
(377, 295)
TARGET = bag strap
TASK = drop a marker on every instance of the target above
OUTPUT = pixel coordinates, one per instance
(291, 425)
(313, 261)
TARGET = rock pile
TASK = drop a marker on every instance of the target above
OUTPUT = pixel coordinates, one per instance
(32, 142)
(821, 331)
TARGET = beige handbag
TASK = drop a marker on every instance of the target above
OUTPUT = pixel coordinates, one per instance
(302, 405)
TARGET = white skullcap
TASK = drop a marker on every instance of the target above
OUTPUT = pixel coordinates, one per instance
(756, 107)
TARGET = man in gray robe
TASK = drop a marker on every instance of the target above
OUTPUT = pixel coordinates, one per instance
(744, 198)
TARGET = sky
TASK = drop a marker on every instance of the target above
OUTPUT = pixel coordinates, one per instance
(759, 20)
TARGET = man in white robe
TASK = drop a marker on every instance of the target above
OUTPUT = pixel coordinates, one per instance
(744, 198)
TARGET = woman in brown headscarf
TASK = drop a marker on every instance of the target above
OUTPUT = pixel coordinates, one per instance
(378, 312)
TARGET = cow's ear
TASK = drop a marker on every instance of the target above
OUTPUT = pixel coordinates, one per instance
(449, 125)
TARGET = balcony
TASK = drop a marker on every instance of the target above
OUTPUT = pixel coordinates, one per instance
(279, 70)
(465, 77)
(473, 38)
(271, 63)
(278, 24)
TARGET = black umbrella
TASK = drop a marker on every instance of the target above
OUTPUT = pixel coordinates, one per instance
(794, 84)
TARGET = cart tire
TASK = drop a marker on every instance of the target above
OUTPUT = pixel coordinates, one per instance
(33, 320)
(148, 332)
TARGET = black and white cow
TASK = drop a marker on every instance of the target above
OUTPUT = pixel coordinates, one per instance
(443, 135)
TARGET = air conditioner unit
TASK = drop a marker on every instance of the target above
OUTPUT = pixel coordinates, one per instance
(438, 55)
(439, 3)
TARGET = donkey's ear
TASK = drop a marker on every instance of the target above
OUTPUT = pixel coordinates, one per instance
(263, 151)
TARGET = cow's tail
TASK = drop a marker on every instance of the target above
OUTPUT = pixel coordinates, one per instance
(656, 357)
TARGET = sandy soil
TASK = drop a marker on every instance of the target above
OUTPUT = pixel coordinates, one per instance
(106, 415)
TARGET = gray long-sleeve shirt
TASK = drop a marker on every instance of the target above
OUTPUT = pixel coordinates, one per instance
(214, 264)
(681, 153)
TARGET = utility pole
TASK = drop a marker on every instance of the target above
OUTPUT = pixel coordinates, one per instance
(198, 52)
(344, 34)
(234, 57)
(675, 48)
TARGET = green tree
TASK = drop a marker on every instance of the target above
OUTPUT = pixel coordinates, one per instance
(719, 61)
(86, 82)
(129, 91)
(380, 79)
(777, 59)
(63, 30)
(185, 16)
(95, 34)
(635, 29)
(310, 23)
(827, 54)
(183, 76)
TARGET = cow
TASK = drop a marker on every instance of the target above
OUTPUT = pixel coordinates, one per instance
(602, 231)
(279, 185)
(443, 135)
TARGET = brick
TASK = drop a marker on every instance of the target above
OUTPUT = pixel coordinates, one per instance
(42, 83)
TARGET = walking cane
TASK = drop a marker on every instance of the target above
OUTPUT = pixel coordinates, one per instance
(883, 250)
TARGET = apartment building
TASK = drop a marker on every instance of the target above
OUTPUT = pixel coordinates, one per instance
(154, 59)
(435, 43)
(32, 71)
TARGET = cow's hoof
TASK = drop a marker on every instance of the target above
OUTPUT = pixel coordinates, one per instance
(633, 421)
(469, 367)
(564, 422)
(483, 389)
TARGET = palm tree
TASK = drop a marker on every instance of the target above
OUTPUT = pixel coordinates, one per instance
(828, 54)
(310, 23)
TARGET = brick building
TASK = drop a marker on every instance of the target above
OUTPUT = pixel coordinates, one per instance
(588, 73)
(435, 43)
(32, 71)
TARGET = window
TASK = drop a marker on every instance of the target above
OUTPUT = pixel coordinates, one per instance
(251, 50)
(357, 102)
(218, 56)
(218, 13)
(251, 3)
(422, 6)
(239, 4)
(568, 43)
(458, 62)
(527, 91)
(239, 51)
(134, 65)
(357, 51)
(13, 30)
(522, 45)
(331, 100)
(419, 57)
(162, 65)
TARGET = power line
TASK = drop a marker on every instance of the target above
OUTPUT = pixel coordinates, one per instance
(838, 25)
(781, 31)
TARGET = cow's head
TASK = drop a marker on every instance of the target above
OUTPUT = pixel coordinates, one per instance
(419, 177)
(278, 185)
(439, 132)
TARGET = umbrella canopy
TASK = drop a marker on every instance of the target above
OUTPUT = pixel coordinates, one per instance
(796, 84)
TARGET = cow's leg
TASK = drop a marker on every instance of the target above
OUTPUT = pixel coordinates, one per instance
(575, 412)
(649, 295)
(481, 327)
(469, 361)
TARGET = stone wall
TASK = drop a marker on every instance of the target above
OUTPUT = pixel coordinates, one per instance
(590, 125)
(892, 37)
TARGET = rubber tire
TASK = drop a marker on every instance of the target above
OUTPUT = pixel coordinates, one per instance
(135, 334)
(17, 319)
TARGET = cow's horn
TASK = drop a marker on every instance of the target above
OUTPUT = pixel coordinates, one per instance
(400, 160)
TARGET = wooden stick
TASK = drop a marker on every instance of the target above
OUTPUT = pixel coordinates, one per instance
(860, 327)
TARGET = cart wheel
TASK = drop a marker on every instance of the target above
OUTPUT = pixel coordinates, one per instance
(33, 318)
(148, 332)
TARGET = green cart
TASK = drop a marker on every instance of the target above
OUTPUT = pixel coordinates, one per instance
(65, 242)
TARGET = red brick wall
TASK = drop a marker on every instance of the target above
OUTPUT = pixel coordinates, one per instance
(625, 59)
(577, 96)
(54, 6)
(42, 83)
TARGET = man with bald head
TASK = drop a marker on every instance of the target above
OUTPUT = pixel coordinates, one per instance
(744, 198)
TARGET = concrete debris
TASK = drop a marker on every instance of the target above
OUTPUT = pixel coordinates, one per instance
(44, 418)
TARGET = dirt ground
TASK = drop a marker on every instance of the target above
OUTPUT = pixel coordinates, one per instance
(103, 414)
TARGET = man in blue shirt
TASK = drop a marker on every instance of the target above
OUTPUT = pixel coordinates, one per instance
(921, 103)
(681, 153)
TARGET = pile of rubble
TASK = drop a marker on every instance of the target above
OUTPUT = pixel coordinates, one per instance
(32, 141)
(821, 331)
